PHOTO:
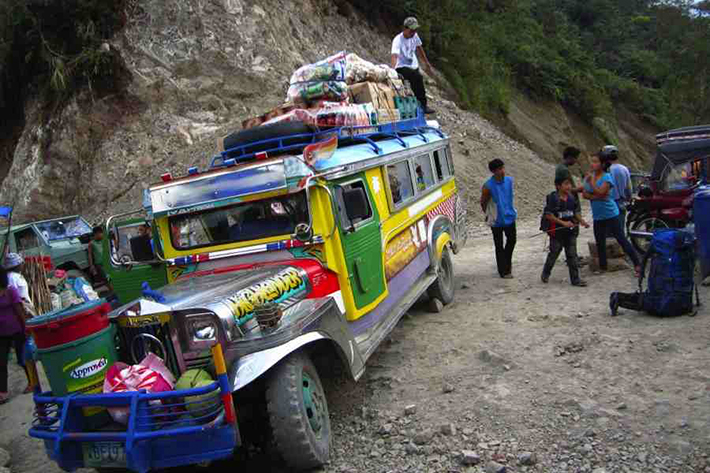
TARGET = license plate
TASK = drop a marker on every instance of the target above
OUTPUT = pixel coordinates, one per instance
(104, 454)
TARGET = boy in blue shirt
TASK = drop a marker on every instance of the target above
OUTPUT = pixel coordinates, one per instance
(497, 203)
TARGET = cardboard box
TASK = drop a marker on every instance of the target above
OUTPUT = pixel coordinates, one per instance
(379, 95)
(386, 115)
(398, 88)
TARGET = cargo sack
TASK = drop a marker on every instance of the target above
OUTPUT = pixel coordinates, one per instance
(671, 284)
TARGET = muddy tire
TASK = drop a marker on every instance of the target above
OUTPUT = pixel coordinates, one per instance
(444, 286)
(298, 413)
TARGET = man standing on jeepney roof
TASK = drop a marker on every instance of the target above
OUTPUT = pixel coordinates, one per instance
(407, 51)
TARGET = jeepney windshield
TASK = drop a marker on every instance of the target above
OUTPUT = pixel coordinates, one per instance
(241, 222)
(64, 228)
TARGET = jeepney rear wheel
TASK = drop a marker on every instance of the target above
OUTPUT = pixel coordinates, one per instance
(443, 288)
(298, 413)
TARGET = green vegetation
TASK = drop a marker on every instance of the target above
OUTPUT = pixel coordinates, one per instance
(56, 45)
(651, 56)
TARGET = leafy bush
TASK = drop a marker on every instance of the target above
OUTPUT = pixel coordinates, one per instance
(653, 57)
(57, 45)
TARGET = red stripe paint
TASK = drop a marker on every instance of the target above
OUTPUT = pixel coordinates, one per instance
(323, 281)
(230, 414)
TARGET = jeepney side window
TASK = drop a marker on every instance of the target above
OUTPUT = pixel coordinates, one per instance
(442, 164)
(399, 182)
(449, 160)
(346, 221)
(26, 239)
(423, 172)
(131, 243)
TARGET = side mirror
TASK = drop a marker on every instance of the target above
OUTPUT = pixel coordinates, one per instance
(356, 204)
(304, 232)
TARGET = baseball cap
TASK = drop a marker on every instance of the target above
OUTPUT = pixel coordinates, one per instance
(411, 23)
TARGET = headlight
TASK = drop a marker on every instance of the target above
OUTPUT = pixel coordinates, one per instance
(133, 310)
(204, 329)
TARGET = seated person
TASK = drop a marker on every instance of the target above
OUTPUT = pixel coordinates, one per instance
(421, 184)
(146, 232)
(395, 188)
(260, 222)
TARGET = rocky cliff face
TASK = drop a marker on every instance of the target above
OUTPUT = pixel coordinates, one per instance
(197, 69)
(190, 73)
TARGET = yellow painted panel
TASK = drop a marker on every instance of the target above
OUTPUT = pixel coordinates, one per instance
(404, 217)
(376, 182)
(441, 242)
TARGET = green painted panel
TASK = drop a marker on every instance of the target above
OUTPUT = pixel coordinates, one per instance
(127, 282)
(362, 248)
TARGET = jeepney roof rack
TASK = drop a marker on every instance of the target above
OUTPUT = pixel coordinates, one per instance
(347, 135)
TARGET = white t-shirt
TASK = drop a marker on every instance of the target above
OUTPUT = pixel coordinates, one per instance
(17, 281)
(406, 50)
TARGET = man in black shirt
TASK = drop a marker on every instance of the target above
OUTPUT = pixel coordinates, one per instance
(562, 213)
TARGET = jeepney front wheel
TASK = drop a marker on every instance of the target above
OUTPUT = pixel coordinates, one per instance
(298, 413)
(443, 288)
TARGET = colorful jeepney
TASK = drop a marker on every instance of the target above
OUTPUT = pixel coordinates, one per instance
(287, 253)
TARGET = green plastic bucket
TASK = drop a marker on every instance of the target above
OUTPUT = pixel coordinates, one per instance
(80, 367)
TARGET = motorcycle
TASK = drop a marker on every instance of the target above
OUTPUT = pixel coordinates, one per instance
(665, 197)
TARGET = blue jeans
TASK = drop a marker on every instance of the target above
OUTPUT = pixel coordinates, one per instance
(622, 214)
(612, 227)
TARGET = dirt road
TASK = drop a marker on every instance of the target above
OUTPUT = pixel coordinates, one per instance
(511, 368)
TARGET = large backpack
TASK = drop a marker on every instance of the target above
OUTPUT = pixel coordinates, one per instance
(671, 285)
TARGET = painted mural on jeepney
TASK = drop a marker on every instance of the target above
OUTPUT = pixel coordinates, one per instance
(286, 284)
(403, 248)
(314, 252)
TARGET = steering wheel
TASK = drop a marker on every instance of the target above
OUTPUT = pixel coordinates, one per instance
(126, 261)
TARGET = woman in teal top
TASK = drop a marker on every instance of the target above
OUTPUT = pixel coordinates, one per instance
(597, 189)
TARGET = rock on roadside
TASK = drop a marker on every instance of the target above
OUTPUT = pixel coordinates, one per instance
(470, 458)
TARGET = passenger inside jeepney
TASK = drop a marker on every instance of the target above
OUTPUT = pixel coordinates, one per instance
(421, 185)
(246, 221)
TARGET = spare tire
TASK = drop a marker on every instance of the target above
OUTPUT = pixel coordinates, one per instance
(266, 132)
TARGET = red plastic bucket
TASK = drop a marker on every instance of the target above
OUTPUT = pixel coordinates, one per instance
(69, 325)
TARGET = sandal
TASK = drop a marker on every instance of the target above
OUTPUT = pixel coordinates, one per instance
(4, 397)
(28, 390)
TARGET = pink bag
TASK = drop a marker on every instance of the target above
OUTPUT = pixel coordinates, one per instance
(150, 375)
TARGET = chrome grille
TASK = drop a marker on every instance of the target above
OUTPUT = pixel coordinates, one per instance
(137, 342)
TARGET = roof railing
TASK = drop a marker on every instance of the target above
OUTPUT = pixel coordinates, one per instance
(365, 133)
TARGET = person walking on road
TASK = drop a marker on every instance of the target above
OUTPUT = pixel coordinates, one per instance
(597, 189)
(621, 192)
(497, 202)
(562, 213)
(407, 51)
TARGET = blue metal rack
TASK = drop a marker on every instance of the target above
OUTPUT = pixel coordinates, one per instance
(163, 429)
(284, 144)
